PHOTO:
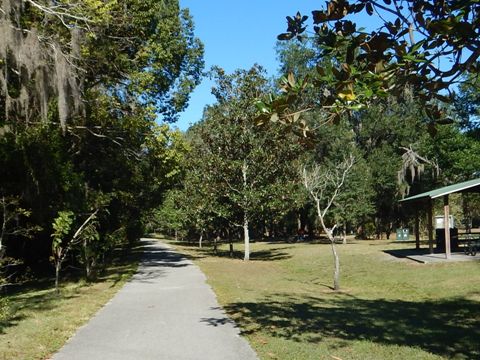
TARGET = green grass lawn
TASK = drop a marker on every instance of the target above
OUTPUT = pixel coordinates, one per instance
(388, 308)
(40, 322)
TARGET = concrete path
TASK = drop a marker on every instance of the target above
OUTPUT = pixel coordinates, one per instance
(440, 258)
(166, 311)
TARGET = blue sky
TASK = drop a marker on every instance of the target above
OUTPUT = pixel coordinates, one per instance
(237, 34)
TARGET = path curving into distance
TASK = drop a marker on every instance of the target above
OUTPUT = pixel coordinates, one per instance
(166, 311)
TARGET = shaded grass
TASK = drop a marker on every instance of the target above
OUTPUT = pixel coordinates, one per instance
(388, 308)
(40, 321)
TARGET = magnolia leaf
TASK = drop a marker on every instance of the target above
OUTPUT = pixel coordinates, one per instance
(285, 36)
(291, 80)
(320, 69)
(262, 107)
(336, 73)
(369, 9)
(348, 96)
(419, 18)
(347, 93)
(334, 118)
(346, 67)
(432, 129)
(445, 121)
(443, 98)
(368, 93)
(319, 17)
(416, 46)
(356, 107)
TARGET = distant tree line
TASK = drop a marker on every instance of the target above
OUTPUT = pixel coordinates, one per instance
(242, 176)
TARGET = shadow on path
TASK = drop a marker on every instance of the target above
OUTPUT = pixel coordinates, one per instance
(159, 315)
(403, 253)
(155, 261)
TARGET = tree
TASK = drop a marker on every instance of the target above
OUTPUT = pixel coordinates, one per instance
(61, 246)
(11, 225)
(324, 184)
(61, 53)
(467, 104)
(171, 214)
(354, 205)
(409, 49)
(385, 133)
(240, 166)
(82, 85)
(201, 205)
(457, 153)
(388, 138)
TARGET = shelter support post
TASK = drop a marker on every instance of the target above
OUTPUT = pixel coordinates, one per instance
(417, 231)
(446, 223)
(430, 226)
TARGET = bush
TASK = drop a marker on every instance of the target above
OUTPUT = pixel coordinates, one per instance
(134, 231)
(4, 308)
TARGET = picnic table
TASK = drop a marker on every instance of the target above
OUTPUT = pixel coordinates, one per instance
(471, 242)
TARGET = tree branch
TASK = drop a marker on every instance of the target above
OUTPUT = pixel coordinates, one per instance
(61, 15)
(73, 240)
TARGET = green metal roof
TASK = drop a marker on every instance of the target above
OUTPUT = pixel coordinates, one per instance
(466, 186)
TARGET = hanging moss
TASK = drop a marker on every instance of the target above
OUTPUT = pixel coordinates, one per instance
(36, 68)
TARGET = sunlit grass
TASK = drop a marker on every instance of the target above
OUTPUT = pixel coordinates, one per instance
(40, 321)
(388, 308)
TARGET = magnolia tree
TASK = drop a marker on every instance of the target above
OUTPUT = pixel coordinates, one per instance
(423, 45)
(241, 165)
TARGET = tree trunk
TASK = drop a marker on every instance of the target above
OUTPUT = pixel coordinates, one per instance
(4, 226)
(215, 241)
(329, 232)
(344, 234)
(231, 247)
(271, 230)
(58, 266)
(361, 234)
(86, 259)
(89, 271)
(378, 228)
(389, 230)
(176, 235)
(246, 238)
(200, 240)
(336, 274)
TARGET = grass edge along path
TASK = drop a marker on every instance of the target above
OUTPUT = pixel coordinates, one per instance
(41, 322)
(388, 308)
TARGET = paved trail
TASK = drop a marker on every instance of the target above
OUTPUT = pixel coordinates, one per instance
(166, 311)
